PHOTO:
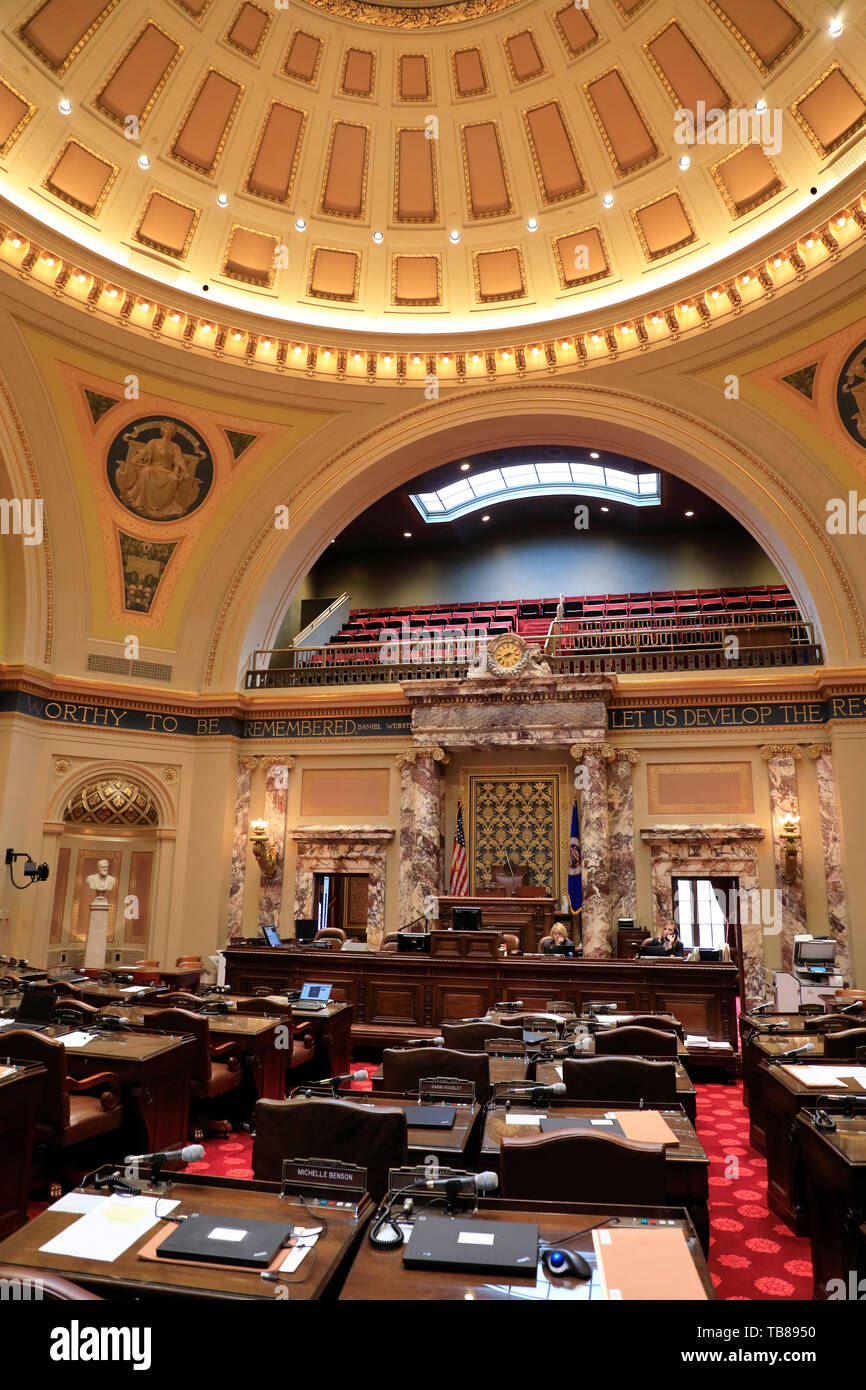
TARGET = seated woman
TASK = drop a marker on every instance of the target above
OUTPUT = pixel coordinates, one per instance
(560, 943)
(670, 941)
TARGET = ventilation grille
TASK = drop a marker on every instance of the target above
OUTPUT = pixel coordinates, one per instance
(117, 666)
(150, 265)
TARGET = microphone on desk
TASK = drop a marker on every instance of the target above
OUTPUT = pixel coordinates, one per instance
(346, 1076)
(477, 1182)
(853, 1008)
(527, 1088)
(427, 1042)
(759, 1008)
(190, 1153)
(794, 1052)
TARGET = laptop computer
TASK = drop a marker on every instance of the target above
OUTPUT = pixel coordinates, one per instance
(443, 1242)
(314, 996)
(430, 1116)
(225, 1240)
(36, 1009)
(272, 936)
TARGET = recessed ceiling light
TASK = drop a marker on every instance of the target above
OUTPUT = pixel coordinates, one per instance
(81, 277)
(607, 200)
(593, 455)
(485, 518)
(715, 294)
(408, 535)
(532, 224)
(685, 162)
(64, 106)
(446, 359)
(416, 360)
(840, 221)
(223, 200)
(760, 104)
(746, 279)
(144, 307)
(689, 513)
(810, 242)
(356, 356)
(300, 225)
(465, 467)
(205, 328)
(266, 343)
(143, 161)
(835, 28)
(454, 237)
(378, 236)
(387, 359)
(113, 293)
(605, 509)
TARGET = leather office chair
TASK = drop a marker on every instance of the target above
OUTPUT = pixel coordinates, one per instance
(181, 999)
(194, 962)
(75, 1011)
(581, 1166)
(303, 1041)
(544, 942)
(403, 1068)
(52, 1288)
(606, 1079)
(145, 965)
(845, 1043)
(335, 1129)
(71, 1112)
(512, 944)
(335, 935)
(62, 988)
(661, 1025)
(635, 1042)
(389, 942)
(504, 878)
(217, 1067)
(471, 1037)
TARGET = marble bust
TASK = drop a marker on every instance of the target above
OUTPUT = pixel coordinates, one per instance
(101, 882)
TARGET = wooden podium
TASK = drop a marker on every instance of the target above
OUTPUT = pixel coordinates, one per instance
(528, 918)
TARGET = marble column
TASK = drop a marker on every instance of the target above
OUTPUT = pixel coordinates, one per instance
(239, 848)
(782, 773)
(278, 766)
(595, 849)
(837, 907)
(422, 834)
(620, 791)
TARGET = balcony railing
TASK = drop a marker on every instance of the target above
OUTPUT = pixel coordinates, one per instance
(574, 646)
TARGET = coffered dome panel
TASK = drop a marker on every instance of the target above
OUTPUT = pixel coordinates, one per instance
(423, 167)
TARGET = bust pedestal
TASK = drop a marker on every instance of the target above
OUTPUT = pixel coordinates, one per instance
(97, 934)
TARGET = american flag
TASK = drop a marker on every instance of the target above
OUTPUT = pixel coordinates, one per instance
(459, 878)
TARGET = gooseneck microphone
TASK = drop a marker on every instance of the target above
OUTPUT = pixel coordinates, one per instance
(472, 1182)
(345, 1076)
(190, 1153)
(794, 1052)
(853, 1008)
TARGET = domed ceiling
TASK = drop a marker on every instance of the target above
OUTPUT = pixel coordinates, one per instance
(425, 169)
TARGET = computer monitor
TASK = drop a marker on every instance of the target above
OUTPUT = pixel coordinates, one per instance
(709, 953)
(305, 928)
(271, 935)
(466, 918)
(655, 948)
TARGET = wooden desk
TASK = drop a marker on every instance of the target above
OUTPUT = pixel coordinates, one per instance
(184, 977)
(99, 995)
(453, 1147)
(331, 1027)
(28, 976)
(760, 1048)
(20, 1093)
(419, 992)
(381, 1274)
(529, 919)
(253, 1034)
(501, 1069)
(834, 1169)
(790, 1026)
(782, 1097)
(686, 1163)
(548, 1073)
(128, 1277)
(155, 1072)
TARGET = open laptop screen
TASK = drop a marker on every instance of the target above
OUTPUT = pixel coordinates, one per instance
(320, 992)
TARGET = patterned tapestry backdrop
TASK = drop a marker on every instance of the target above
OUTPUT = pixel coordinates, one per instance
(519, 811)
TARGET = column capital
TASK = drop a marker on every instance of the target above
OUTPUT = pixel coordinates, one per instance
(817, 750)
(606, 751)
(271, 760)
(781, 750)
(249, 761)
(630, 754)
(423, 751)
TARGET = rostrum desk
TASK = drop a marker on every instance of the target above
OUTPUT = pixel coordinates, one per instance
(416, 991)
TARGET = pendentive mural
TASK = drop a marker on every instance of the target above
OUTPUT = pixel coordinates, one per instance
(153, 475)
(144, 563)
(851, 395)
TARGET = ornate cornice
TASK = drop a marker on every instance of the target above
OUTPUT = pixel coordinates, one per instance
(421, 16)
(818, 750)
(629, 754)
(709, 834)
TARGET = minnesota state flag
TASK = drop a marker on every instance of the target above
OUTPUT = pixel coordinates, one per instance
(575, 873)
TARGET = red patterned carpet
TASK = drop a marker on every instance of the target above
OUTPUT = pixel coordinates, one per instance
(752, 1255)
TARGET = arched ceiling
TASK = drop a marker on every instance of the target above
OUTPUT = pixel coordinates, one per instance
(319, 114)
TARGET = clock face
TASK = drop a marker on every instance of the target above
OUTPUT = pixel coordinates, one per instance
(508, 654)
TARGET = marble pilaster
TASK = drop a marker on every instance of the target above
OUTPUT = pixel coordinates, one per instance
(620, 793)
(343, 849)
(782, 775)
(277, 768)
(837, 907)
(239, 848)
(594, 849)
(422, 837)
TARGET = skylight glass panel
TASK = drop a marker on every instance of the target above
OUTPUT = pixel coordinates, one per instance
(553, 472)
(649, 482)
(588, 473)
(431, 502)
(456, 492)
(522, 476)
(623, 482)
(486, 483)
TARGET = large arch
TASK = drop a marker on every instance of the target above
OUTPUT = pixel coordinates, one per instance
(602, 417)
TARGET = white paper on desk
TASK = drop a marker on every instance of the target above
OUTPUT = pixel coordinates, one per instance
(78, 1039)
(697, 1040)
(857, 1074)
(303, 1246)
(79, 1202)
(7, 1022)
(135, 989)
(515, 1119)
(558, 1070)
(815, 1076)
(108, 1230)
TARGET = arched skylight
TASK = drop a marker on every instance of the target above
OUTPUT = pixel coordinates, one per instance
(538, 480)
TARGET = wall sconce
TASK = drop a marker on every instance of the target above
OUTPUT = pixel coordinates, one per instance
(265, 853)
(789, 835)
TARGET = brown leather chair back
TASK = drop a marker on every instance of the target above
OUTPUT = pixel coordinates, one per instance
(335, 934)
(843, 1044)
(635, 1042)
(52, 1288)
(22, 1045)
(580, 1166)
(662, 1025)
(389, 942)
(512, 944)
(503, 877)
(545, 940)
(331, 1129)
(145, 965)
(63, 989)
(403, 1068)
(471, 1037)
(266, 1004)
(182, 1021)
(618, 1078)
(75, 1008)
